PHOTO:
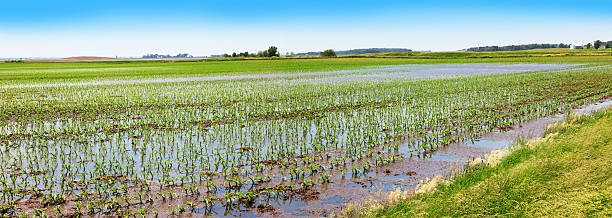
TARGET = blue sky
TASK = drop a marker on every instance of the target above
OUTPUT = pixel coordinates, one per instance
(134, 28)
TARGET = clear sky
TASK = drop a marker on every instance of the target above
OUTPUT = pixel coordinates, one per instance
(61, 28)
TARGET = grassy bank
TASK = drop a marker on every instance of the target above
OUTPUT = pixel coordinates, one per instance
(569, 174)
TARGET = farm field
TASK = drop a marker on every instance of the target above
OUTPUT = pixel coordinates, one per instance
(262, 137)
(27, 73)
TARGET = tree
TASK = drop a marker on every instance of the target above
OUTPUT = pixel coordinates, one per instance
(588, 46)
(596, 44)
(515, 47)
(273, 52)
(328, 53)
(609, 44)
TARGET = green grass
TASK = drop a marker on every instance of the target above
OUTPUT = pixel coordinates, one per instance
(19, 73)
(569, 175)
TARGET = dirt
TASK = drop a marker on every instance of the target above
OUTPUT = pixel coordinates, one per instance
(307, 194)
(96, 59)
(261, 208)
(84, 58)
(410, 173)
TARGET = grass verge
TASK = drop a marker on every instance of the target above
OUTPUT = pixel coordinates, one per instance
(568, 173)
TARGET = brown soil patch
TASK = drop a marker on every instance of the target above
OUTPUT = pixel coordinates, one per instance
(85, 58)
(307, 194)
(261, 208)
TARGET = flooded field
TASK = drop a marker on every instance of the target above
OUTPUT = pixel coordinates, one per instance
(298, 144)
(379, 72)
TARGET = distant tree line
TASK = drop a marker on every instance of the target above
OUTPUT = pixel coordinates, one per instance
(598, 44)
(14, 61)
(517, 47)
(270, 52)
(167, 56)
(361, 51)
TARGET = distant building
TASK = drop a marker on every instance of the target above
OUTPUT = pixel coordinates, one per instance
(577, 47)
